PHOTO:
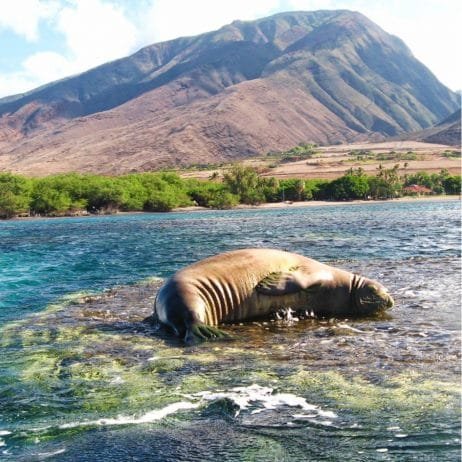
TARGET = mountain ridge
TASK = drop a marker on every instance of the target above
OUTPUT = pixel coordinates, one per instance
(246, 88)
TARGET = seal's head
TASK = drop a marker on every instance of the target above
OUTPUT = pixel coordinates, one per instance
(370, 296)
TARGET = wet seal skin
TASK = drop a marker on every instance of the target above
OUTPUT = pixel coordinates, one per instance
(252, 283)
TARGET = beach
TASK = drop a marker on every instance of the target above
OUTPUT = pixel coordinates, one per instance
(313, 203)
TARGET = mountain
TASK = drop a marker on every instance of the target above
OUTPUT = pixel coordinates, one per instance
(447, 131)
(245, 89)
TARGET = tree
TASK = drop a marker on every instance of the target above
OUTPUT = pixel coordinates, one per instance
(103, 193)
(245, 183)
(270, 188)
(14, 195)
(348, 187)
(160, 201)
(388, 184)
(48, 200)
(135, 193)
(316, 189)
(203, 193)
(379, 188)
(224, 200)
(294, 190)
(452, 184)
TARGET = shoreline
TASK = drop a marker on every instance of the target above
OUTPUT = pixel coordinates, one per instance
(266, 205)
(314, 203)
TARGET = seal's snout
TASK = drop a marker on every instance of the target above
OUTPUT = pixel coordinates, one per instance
(372, 297)
(384, 296)
(385, 299)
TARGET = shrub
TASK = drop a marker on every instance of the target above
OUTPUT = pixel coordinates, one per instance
(49, 201)
(224, 200)
(160, 201)
(14, 195)
(452, 184)
(348, 187)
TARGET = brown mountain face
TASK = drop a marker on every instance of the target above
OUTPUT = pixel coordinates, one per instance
(446, 132)
(245, 89)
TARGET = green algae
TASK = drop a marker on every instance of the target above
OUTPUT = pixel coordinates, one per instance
(197, 382)
(41, 369)
(162, 365)
(407, 392)
(101, 361)
(263, 376)
(106, 384)
(99, 372)
(265, 450)
(108, 371)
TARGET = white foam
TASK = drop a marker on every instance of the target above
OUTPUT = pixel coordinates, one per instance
(45, 455)
(328, 414)
(264, 398)
(151, 416)
(4, 432)
(260, 398)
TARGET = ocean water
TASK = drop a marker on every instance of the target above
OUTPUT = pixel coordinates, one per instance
(83, 378)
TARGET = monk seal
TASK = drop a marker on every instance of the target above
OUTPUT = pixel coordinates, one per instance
(251, 283)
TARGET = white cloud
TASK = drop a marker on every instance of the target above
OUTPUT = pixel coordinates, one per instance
(36, 70)
(47, 66)
(23, 16)
(168, 19)
(15, 83)
(95, 32)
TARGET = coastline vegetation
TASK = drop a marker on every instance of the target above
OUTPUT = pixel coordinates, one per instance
(79, 194)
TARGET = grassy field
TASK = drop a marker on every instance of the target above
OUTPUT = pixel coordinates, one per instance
(330, 162)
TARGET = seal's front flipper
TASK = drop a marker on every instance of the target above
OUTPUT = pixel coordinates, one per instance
(288, 282)
(199, 332)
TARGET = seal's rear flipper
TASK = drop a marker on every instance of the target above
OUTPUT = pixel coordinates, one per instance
(199, 332)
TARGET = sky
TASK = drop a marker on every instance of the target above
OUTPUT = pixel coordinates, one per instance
(45, 40)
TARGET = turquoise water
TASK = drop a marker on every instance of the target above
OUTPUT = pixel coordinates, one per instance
(83, 378)
(41, 260)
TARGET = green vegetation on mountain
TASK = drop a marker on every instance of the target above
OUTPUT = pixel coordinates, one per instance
(299, 152)
(75, 194)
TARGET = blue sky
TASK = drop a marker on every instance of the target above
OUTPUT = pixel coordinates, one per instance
(45, 40)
